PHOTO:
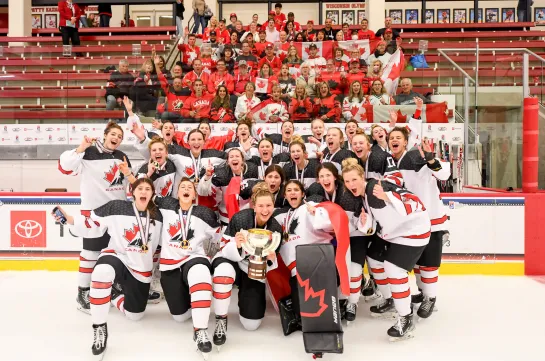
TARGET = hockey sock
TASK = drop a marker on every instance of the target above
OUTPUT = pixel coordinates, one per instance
(100, 294)
(200, 290)
(429, 277)
(417, 275)
(399, 285)
(377, 269)
(222, 283)
(87, 261)
(356, 276)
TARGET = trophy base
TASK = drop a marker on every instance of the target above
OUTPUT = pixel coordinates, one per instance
(257, 268)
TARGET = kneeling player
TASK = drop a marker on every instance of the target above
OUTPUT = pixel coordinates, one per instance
(231, 265)
(405, 228)
(185, 269)
(123, 271)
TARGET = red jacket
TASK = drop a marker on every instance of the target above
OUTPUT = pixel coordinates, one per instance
(362, 77)
(188, 53)
(192, 76)
(199, 104)
(334, 80)
(275, 64)
(222, 115)
(330, 107)
(216, 142)
(216, 80)
(66, 14)
(301, 111)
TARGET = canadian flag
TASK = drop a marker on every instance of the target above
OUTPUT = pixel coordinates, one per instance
(325, 48)
(365, 47)
(261, 85)
(431, 113)
(392, 72)
(263, 113)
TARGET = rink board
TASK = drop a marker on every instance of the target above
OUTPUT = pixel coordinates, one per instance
(480, 243)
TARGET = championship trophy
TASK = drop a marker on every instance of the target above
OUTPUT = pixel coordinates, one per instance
(259, 243)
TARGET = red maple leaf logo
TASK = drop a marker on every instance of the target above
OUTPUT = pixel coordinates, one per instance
(166, 188)
(262, 116)
(173, 229)
(131, 233)
(111, 174)
(261, 84)
(354, 110)
(309, 292)
(189, 171)
(401, 118)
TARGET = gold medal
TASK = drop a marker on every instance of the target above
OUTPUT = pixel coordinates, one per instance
(184, 244)
(286, 237)
(144, 247)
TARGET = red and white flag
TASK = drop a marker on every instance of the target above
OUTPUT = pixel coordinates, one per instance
(261, 85)
(431, 113)
(392, 72)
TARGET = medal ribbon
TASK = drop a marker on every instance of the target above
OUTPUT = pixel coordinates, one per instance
(196, 165)
(184, 222)
(143, 233)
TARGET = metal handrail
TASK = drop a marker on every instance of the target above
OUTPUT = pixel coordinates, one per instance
(440, 51)
(493, 49)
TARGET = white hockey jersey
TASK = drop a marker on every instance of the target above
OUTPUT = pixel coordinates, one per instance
(118, 219)
(101, 178)
(403, 220)
(185, 238)
(302, 228)
(163, 178)
(244, 220)
(421, 179)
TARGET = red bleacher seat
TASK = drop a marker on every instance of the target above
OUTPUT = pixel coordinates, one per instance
(84, 38)
(61, 114)
(76, 93)
(21, 50)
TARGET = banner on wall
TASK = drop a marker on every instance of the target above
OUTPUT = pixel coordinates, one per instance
(26, 226)
(47, 17)
(351, 13)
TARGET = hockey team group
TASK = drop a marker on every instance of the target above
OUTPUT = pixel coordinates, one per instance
(197, 196)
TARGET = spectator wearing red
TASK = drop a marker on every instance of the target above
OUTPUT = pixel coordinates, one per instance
(356, 73)
(222, 33)
(375, 70)
(301, 107)
(271, 33)
(69, 14)
(255, 19)
(320, 36)
(309, 32)
(289, 33)
(328, 30)
(326, 105)
(293, 59)
(177, 71)
(221, 77)
(131, 23)
(208, 64)
(261, 44)
(212, 26)
(333, 78)
(196, 74)
(284, 44)
(233, 19)
(271, 59)
(197, 106)
(315, 61)
(387, 25)
(83, 16)
(378, 94)
(287, 82)
(296, 25)
(279, 17)
(391, 44)
(269, 17)
(249, 59)
(364, 33)
(380, 54)
(242, 77)
(272, 110)
(339, 36)
(354, 102)
(339, 60)
(246, 102)
(266, 72)
(189, 52)
(221, 110)
(347, 33)
(175, 97)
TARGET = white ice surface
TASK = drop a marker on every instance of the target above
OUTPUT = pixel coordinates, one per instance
(480, 318)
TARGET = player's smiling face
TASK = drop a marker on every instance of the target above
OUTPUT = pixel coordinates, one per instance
(327, 180)
(205, 129)
(263, 208)
(397, 143)
(333, 139)
(186, 192)
(235, 161)
(354, 182)
(265, 149)
(274, 181)
(113, 139)
(158, 153)
(294, 195)
(196, 141)
(168, 132)
(297, 154)
(379, 134)
(142, 195)
(361, 146)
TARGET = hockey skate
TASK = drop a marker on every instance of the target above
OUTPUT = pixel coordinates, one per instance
(418, 299)
(350, 313)
(370, 291)
(385, 309)
(204, 346)
(427, 307)
(402, 330)
(154, 298)
(83, 300)
(220, 332)
(100, 341)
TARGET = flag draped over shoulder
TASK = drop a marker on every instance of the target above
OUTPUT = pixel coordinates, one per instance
(392, 72)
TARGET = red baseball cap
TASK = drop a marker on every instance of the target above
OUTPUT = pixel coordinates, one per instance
(233, 15)
(272, 12)
(310, 22)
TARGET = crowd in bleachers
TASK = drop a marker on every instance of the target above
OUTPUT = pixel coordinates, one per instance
(265, 72)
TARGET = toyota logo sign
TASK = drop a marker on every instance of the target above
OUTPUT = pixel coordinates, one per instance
(28, 229)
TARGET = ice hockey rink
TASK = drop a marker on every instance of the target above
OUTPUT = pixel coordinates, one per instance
(480, 318)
